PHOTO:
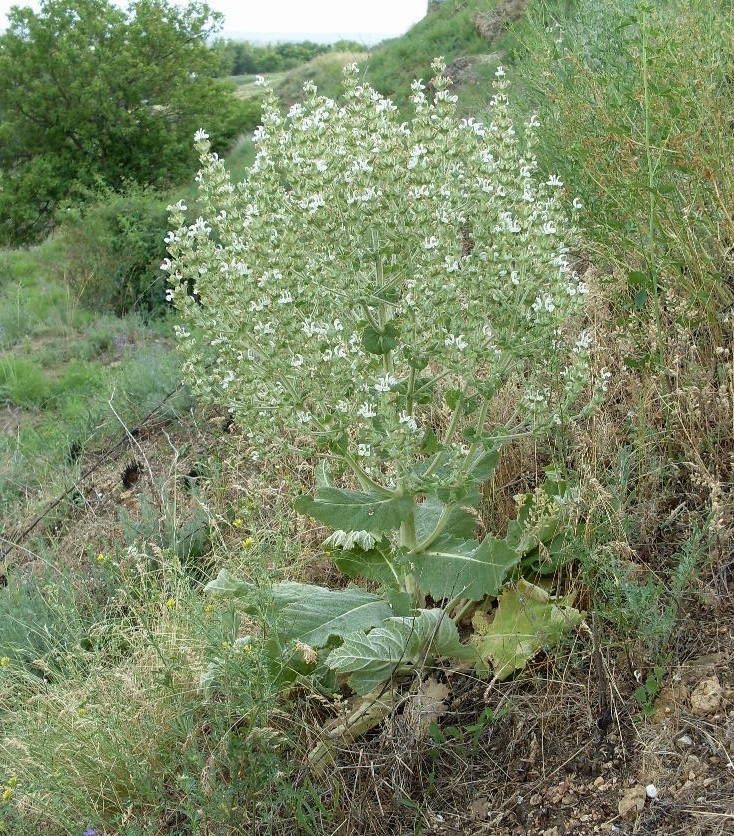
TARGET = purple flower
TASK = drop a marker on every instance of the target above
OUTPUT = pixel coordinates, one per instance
(90, 831)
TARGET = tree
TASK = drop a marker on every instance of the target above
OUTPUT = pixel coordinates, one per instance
(95, 96)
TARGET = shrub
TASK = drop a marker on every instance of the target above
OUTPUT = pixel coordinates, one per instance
(115, 246)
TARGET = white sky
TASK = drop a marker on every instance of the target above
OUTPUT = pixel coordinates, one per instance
(341, 17)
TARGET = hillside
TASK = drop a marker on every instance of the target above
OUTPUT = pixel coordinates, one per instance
(178, 652)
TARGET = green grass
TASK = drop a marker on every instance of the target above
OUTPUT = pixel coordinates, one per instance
(448, 31)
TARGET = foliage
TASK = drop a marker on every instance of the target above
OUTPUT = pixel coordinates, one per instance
(638, 97)
(309, 297)
(449, 30)
(115, 246)
(243, 58)
(93, 94)
(22, 382)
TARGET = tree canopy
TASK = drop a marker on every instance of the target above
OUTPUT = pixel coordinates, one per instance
(93, 96)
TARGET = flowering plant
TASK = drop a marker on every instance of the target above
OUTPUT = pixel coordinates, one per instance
(365, 293)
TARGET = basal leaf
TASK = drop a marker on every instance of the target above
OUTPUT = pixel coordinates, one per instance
(226, 583)
(398, 645)
(453, 567)
(319, 613)
(355, 510)
(526, 621)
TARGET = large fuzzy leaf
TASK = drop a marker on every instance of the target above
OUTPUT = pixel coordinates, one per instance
(356, 510)
(311, 614)
(398, 645)
(321, 613)
(526, 621)
(453, 567)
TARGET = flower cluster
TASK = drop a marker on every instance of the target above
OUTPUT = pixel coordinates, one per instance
(365, 258)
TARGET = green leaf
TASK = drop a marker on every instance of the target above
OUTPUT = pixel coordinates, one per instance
(306, 612)
(526, 621)
(453, 567)
(460, 524)
(226, 583)
(354, 510)
(379, 342)
(375, 564)
(398, 645)
(483, 464)
(319, 613)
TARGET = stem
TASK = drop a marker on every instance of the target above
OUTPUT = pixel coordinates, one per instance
(481, 420)
(365, 480)
(652, 207)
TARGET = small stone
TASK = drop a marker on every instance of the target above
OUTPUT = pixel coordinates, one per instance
(684, 742)
(651, 791)
(706, 696)
(632, 802)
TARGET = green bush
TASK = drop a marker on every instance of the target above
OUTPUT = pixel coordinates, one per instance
(115, 247)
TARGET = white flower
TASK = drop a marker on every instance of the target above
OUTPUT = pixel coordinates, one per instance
(430, 243)
(297, 361)
(364, 450)
(554, 180)
(166, 264)
(459, 341)
(367, 410)
(201, 135)
(385, 383)
(259, 81)
(577, 204)
(408, 421)
(303, 417)
(500, 72)
(583, 342)
(549, 228)
(169, 295)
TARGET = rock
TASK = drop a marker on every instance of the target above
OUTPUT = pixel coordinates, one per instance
(632, 802)
(683, 742)
(706, 696)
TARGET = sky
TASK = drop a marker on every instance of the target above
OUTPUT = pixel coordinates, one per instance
(302, 17)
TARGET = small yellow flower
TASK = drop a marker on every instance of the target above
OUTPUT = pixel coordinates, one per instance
(171, 603)
(209, 608)
(7, 793)
(101, 558)
(237, 523)
(247, 543)
(4, 662)
(82, 712)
